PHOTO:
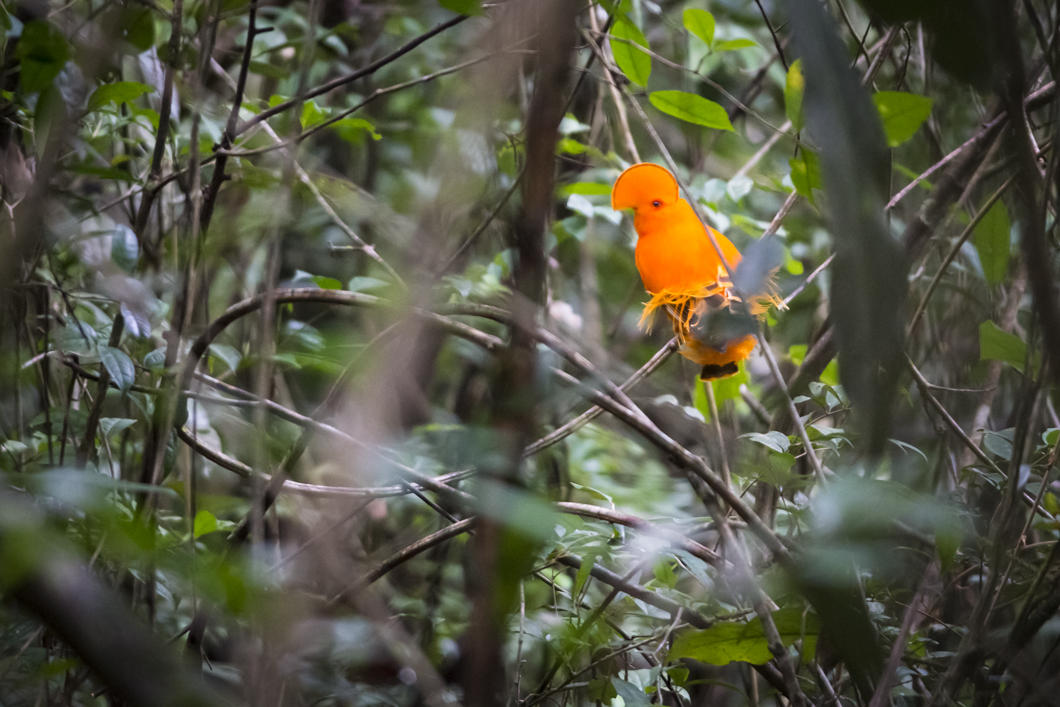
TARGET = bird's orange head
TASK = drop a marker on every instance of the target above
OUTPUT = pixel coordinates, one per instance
(644, 186)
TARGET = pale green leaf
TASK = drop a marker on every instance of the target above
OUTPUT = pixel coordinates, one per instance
(691, 108)
(733, 44)
(113, 425)
(700, 23)
(205, 523)
(635, 63)
(999, 345)
(902, 114)
(725, 643)
(794, 88)
(777, 441)
(228, 354)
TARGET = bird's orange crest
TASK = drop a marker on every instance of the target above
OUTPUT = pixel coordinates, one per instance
(641, 185)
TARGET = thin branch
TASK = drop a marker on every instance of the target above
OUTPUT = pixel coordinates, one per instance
(350, 77)
(572, 426)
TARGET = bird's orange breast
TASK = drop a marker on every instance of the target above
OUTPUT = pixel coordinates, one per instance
(674, 251)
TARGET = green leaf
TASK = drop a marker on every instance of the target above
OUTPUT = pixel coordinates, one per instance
(264, 68)
(137, 26)
(678, 675)
(462, 7)
(794, 88)
(739, 187)
(991, 238)
(902, 114)
(777, 441)
(119, 366)
(584, 570)
(362, 283)
(998, 345)
(634, 62)
(585, 189)
(312, 115)
(113, 425)
(205, 523)
(868, 279)
(730, 45)
(664, 573)
(327, 283)
(947, 543)
(117, 93)
(999, 443)
(49, 114)
(42, 51)
(353, 129)
(570, 146)
(124, 248)
(806, 173)
(632, 696)
(155, 360)
(700, 23)
(691, 108)
(725, 643)
(777, 469)
(229, 354)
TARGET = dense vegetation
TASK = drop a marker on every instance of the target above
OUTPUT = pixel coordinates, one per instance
(322, 382)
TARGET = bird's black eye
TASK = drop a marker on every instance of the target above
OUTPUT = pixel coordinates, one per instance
(656, 203)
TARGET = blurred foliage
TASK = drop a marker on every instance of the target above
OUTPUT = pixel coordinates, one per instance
(257, 311)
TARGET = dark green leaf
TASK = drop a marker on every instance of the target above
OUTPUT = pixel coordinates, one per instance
(264, 68)
(635, 63)
(117, 93)
(992, 238)
(137, 26)
(869, 284)
(119, 366)
(43, 51)
(902, 114)
(462, 7)
(999, 443)
(692, 108)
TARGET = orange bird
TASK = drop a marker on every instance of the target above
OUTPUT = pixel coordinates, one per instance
(683, 274)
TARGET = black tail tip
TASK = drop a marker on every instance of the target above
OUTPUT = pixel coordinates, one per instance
(712, 371)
